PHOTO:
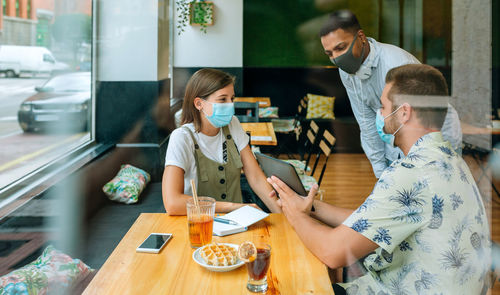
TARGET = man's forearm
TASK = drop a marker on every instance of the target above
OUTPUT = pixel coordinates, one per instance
(329, 214)
(320, 239)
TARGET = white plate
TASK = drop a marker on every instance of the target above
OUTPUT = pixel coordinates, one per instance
(197, 258)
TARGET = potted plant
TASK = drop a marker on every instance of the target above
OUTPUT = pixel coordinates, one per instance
(199, 13)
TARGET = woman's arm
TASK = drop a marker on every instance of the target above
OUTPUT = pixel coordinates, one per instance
(329, 214)
(258, 181)
(174, 198)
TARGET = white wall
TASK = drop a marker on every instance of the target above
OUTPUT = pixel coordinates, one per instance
(127, 40)
(471, 66)
(221, 46)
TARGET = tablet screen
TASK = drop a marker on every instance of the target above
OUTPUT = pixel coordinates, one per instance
(283, 170)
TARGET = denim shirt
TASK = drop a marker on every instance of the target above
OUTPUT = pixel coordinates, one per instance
(364, 93)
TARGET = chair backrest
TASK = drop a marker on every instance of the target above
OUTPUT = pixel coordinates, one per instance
(300, 110)
(247, 111)
(299, 117)
(302, 107)
(326, 145)
(301, 114)
(312, 136)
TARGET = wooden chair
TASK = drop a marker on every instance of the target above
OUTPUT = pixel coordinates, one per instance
(326, 145)
(247, 111)
(312, 138)
(285, 128)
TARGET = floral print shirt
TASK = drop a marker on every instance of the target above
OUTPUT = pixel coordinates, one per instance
(428, 218)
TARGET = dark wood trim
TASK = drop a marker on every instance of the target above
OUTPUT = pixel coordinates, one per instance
(35, 241)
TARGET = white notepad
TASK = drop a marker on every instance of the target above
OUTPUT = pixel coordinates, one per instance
(244, 216)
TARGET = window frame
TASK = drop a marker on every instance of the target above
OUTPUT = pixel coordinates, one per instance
(35, 182)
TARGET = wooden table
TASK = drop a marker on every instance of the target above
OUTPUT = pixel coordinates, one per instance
(473, 130)
(294, 270)
(260, 130)
(264, 102)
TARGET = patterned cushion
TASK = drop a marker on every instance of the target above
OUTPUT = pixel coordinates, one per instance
(270, 112)
(127, 184)
(320, 107)
(299, 166)
(307, 181)
(283, 125)
(51, 273)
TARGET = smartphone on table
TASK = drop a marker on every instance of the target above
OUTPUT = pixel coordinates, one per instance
(154, 243)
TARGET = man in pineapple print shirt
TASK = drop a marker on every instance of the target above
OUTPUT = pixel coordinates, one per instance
(423, 229)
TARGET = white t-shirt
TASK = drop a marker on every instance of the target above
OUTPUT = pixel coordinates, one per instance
(180, 150)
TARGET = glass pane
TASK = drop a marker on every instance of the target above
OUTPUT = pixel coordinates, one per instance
(45, 86)
(421, 27)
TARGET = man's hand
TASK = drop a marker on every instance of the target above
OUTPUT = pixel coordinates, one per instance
(291, 203)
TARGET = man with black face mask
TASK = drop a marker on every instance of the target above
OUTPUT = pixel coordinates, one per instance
(363, 64)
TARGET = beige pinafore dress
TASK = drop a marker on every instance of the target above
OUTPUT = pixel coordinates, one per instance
(220, 181)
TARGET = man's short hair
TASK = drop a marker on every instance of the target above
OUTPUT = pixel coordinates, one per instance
(340, 19)
(420, 80)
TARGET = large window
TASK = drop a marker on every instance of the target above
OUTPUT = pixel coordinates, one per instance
(421, 27)
(45, 86)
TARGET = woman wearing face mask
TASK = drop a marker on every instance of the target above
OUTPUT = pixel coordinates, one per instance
(211, 148)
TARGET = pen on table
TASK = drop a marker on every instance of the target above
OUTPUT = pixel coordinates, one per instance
(226, 221)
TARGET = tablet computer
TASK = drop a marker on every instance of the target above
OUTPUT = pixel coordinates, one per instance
(283, 170)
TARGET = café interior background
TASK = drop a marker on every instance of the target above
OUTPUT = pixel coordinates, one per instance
(139, 64)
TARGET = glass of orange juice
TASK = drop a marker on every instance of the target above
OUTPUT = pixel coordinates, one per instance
(200, 221)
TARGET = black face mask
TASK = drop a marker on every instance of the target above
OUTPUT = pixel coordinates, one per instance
(347, 62)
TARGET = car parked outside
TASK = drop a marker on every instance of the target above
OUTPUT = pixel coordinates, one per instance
(61, 104)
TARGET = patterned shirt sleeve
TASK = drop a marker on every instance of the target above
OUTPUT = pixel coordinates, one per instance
(395, 209)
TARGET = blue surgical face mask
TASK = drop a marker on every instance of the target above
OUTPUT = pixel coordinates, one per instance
(222, 114)
(380, 123)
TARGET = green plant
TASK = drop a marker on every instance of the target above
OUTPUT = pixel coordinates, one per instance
(195, 12)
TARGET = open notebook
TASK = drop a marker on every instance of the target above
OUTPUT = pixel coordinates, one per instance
(244, 216)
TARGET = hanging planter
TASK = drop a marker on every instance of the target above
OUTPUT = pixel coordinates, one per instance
(197, 13)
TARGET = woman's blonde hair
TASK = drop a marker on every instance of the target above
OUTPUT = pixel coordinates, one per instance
(202, 84)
